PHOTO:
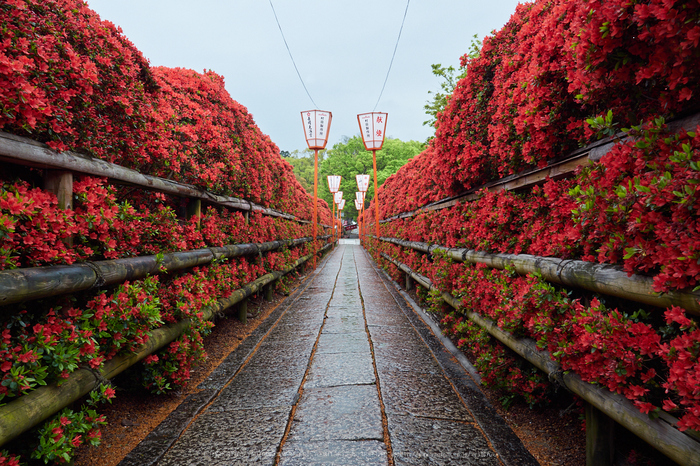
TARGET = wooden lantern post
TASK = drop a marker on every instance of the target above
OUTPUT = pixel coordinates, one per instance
(341, 206)
(372, 128)
(362, 185)
(316, 123)
(358, 206)
(333, 186)
(337, 197)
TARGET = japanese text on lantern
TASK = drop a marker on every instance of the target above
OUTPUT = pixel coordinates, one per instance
(372, 125)
(316, 126)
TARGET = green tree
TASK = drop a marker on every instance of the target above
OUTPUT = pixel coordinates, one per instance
(349, 158)
(303, 164)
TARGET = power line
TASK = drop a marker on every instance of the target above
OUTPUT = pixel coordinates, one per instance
(290, 54)
(393, 55)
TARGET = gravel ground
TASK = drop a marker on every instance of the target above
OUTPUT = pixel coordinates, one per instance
(551, 438)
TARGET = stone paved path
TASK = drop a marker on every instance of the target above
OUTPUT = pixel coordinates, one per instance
(342, 374)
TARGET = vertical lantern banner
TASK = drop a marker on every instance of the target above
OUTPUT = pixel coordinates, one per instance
(333, 186)
(316, 123)
(360, 197)
(372, 127)
(337, 197)
(362, 182)
(341, 205)
(359, 205)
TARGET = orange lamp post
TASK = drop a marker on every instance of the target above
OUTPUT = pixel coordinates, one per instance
(362, 185)
(316, 123)
(358, 206)
(333, 186)
(337, 197)
(341, 206)
(372, 129)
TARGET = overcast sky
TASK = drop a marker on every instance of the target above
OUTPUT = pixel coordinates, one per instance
(342, 49)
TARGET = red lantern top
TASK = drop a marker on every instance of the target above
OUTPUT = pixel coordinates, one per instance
(317, 123)
(372, 128)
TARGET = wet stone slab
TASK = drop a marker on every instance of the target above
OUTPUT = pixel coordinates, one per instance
(252, 391)
(389, 317)
(349, 412)
(300, 322)
(289, 333)
(336, 453)
(380, 301)
(300, 347)
(391, 358)
(421, 394)
(343, 324)
(345, 310)
(240, 437)
(312, 301)
(383, 335)
(328, 370)
(355, 342)
(279, 362)
(418, 441)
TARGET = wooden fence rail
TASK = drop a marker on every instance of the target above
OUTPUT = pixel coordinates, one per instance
(24, 151)
(556, 169)
(41, 282)
(601, 278)
(27, 411)
(660, 433)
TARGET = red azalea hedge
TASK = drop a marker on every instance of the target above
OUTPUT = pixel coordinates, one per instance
(531, 96)
(525, 98)
(75, 82)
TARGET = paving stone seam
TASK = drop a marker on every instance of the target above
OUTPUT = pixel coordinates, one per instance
(385, 419)
(381, 276)
(145, 455)
(510, 450)
(300, 391)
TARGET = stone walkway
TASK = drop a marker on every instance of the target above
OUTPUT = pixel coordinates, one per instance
(343, 373)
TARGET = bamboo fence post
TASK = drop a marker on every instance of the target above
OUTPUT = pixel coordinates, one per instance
(268, 291)
(60, 183)
(409, 282)
(600, 437)
(243, 311)
(194, 209)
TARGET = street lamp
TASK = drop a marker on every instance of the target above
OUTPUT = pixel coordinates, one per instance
(359, 205)
(337, 197)
(316, 123)
(372, 128)
(362, 185)
(333, 186)
(341, 206)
